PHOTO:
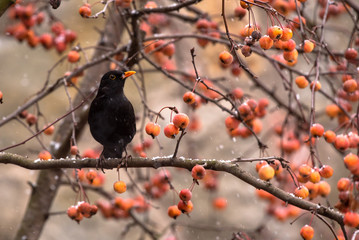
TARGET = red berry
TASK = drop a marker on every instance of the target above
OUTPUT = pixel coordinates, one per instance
(74, 150)
(198, 172)
(185, 195)
(350, 54)
(185, 207)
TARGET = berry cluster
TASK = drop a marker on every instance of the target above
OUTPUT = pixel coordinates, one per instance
(28, 17)
(120, 207)
(179, 123)
(80, 210)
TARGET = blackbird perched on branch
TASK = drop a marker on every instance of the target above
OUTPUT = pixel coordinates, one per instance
(111, 117)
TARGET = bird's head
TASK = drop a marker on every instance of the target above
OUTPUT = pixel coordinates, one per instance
(115, 79)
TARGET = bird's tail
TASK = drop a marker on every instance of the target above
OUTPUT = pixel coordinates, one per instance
(112, 152)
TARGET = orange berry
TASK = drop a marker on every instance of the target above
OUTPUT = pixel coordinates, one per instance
(343, 184)
(185, 207)
(171, 130)
(44, 155)
(305, 170)
(260, 164)
(287, 34)
(49, 130)
(275, 32)
(314, 177)
(198, 172)
(265, 42)
(173, 211)
(312, 188)
(341, 142)
(296, 22)
(281, 6)
(308, 46)
(226, 57)
(307, 232)
(351, 219)
(301, 192)
(317, 86)
(244, 4)
(91, 175)
(189, 97)
(301, 82)
(329, 136)
(181, 121)
(85, 10)
(266, 172)
(350, 86)
(231, 123)
(332, 110)
(278, 44)
(351, 161)
(73, 56)
(219, 203)
(289, 45)
(323, 188)
(73, 212)
(290, 56)
(247, 31)
(326, 171)
(153, 129)
(150, 4)
(317, 130)
(120, 186)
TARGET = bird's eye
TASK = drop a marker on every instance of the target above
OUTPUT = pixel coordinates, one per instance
(112, 77)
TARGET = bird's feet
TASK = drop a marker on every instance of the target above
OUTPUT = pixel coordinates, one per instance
(100, 162)
(124, 161)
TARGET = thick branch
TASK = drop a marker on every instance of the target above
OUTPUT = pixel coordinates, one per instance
(228, 166)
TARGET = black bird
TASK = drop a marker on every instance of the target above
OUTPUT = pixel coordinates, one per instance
(111, 117)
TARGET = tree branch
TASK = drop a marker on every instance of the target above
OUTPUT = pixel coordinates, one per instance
(217, 165)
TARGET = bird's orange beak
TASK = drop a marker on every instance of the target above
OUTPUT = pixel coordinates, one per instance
(129, 73)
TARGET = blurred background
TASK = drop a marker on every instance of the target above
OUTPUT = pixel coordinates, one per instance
(23, 72)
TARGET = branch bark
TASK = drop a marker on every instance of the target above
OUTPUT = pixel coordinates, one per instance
(229, 166)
